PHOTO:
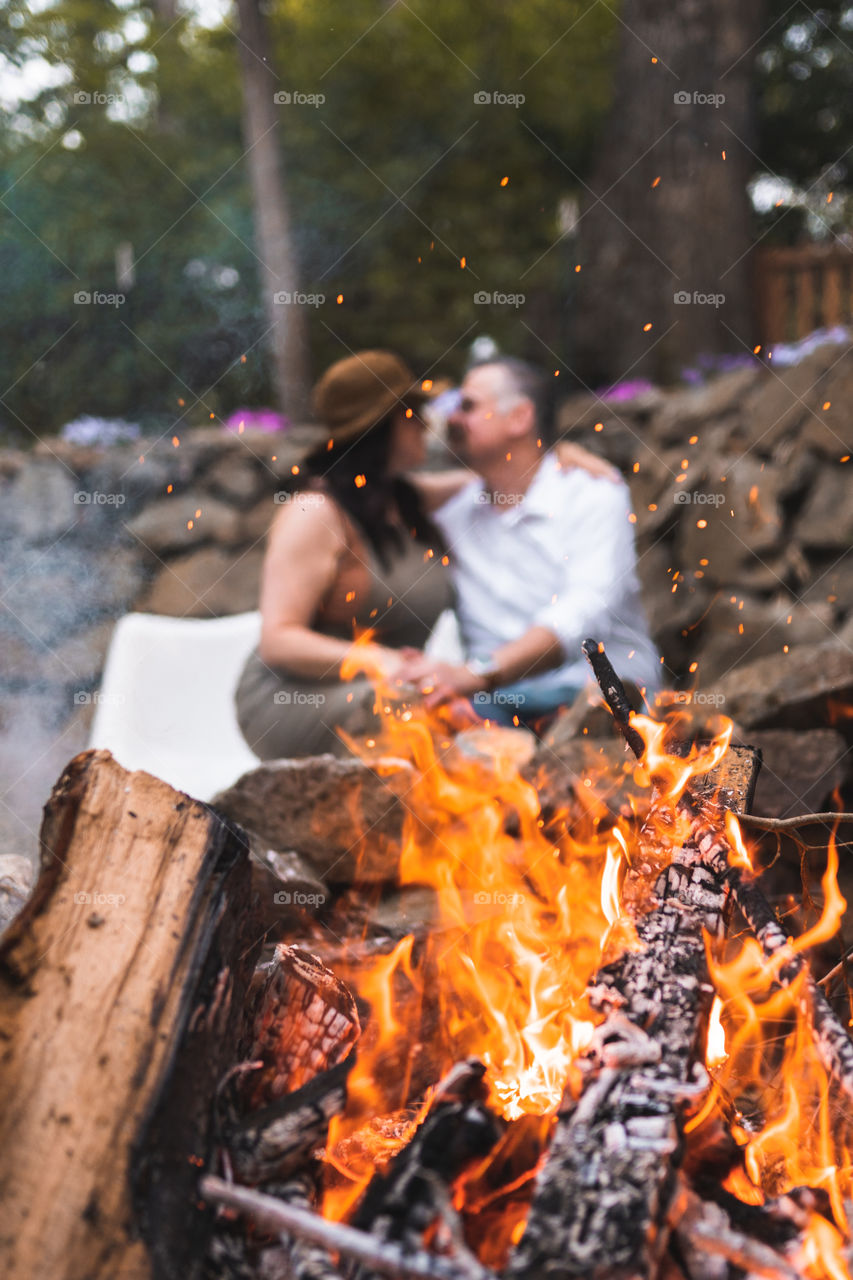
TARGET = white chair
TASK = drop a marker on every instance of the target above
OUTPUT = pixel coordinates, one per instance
(445, 643)
(166, 702)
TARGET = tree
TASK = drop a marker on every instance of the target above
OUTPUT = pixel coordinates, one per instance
(277, 266)
(394, 179)
(666, 229)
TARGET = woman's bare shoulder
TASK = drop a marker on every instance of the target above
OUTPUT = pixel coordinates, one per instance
(308, 517)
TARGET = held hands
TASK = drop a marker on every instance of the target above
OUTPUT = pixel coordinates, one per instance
(437, 682)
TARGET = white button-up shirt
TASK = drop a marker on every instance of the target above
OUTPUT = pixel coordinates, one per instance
(563, 558)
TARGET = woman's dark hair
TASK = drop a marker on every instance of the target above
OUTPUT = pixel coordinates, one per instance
(370, 501)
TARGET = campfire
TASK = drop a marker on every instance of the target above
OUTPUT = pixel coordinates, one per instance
(599, 1054)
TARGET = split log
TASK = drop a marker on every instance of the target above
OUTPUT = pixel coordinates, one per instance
(601, 1199)
(277, 1140)
(122, 985)
(304, 1021)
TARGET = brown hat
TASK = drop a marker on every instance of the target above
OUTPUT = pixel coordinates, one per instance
(356, 393)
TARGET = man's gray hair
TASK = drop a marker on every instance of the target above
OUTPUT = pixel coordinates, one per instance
(528, 383)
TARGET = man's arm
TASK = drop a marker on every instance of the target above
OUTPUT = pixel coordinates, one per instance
(437, 487)
(539, 649)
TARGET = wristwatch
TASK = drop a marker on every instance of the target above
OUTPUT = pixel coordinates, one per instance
(485, 669)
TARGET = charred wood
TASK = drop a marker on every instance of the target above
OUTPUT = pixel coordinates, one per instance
(276, 1140)
(602, 1197)
(414, 1196)
(291, 1220)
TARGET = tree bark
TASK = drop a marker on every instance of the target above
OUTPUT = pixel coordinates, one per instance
(277, 266)
(122, 984)
(641, 245)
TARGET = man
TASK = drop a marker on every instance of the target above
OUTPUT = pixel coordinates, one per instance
(542, 557)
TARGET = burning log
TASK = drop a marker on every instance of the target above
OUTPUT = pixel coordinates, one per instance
(602, 1197)
(273, 1214)
(413, 1198)
(304, 1021)
(279, 1139)
(121, 990)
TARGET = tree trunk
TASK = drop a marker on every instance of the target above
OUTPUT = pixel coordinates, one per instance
(122, 984)
(644, 247)
(275, 251)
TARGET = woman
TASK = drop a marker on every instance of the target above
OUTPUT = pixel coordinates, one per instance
(354, 551)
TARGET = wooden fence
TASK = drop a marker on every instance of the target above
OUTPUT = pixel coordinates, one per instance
(801, 289)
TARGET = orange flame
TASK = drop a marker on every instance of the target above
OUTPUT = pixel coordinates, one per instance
(526, 915)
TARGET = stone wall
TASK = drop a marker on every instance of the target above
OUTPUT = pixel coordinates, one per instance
(743, 496)
(173, 526)
(744, 519)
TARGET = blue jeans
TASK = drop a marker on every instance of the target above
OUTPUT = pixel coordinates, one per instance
(523, 701)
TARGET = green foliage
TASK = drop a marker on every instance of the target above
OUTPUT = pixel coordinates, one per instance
(392, 181)
(804, 78)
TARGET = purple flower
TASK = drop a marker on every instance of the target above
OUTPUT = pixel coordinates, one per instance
(626, 390)
(256, 420)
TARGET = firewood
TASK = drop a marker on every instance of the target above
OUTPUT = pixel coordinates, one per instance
(303, 1022)
(290, 1220)
(121, 990)
(832, 1042)
(600, 1203)
(402, 1204)
(706, 1234)
(278, 1139)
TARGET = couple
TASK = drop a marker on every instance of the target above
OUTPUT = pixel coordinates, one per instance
(533, 549)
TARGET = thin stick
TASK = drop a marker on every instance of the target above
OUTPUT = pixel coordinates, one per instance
(614, 694)
(833, 973)
(785, 824)
(388, 1259)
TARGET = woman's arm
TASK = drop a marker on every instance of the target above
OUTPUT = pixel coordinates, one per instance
(571, 455)
(305, 545)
